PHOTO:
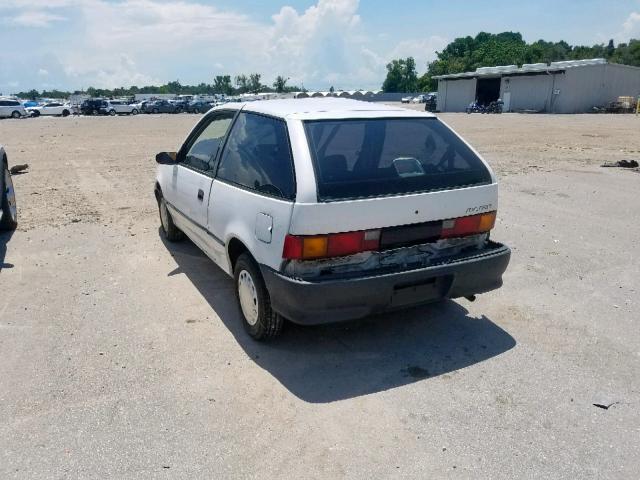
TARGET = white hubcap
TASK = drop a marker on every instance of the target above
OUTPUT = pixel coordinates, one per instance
(11, 195)
(248, 297)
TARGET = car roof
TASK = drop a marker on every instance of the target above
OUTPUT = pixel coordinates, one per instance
(323, 109)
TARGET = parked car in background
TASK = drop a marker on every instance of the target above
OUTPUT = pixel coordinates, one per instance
(199, 106)
(114, 107)
(406, 99)
(52, 109)
(92, 106)
(419, 99)
(325, 210)
(8, 206)
(160, 106)
(431, 102)
(12, 108)
(182, 104)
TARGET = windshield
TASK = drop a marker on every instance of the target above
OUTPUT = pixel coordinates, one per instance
(363, 158)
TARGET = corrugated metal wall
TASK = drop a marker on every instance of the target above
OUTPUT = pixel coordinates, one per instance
(528, 92)
(577, 90)
(455, 95)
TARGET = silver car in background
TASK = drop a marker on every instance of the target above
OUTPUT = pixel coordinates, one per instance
(12, 108)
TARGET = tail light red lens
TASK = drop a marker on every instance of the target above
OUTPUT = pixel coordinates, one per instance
(460, 227)
(333, 245)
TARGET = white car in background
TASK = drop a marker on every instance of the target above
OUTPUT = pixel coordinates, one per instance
(51, 109)
(12, 108)
(114, 107)
(325, 210)
(419, 99)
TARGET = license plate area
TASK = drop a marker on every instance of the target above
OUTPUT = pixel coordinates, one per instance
(421, 291)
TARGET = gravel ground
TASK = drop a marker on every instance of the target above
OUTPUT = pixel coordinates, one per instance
(124, 357)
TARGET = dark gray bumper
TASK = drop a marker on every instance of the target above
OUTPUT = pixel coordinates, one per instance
(326, 301)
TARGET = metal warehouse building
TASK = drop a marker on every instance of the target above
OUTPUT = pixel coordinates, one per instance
(559, 87)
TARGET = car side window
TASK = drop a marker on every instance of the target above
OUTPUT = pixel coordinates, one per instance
(202, 152)
(257, 156)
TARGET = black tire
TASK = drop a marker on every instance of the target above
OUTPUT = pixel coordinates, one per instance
(171, 232)
(134, 111)
(267, 323)
(112, 113)
(35, 113)
(7, 221)
(15, 114)
(155, 110)
(66, 113)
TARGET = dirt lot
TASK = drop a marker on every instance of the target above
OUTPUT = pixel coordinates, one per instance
(123, 357)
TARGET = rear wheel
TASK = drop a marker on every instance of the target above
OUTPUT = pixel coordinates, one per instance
(134, 111)
(112, 113)
(171, 232)
(155, 110)
(15, 114)
(9, 219)
(65, 113)
(258, 319)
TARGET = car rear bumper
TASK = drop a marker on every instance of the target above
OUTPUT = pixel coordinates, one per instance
(327, 301)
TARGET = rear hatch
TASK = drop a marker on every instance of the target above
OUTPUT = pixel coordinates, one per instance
(393, 193)
(383, 173)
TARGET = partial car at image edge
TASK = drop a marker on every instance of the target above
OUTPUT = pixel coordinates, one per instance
(8, 206)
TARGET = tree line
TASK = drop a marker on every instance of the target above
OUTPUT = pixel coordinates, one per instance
(221, 85)
(465, 54)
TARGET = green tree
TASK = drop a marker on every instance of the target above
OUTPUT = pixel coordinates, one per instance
(401, 76)
(222, 85)
(254, 85)
(280, 84)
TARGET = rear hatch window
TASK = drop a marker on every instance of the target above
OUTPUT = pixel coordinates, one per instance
(364, 158)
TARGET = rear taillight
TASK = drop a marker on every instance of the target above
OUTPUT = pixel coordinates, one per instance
(313, 247)
(333, 245)
(463, 226)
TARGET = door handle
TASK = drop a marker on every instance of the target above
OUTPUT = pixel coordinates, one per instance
(200, 194)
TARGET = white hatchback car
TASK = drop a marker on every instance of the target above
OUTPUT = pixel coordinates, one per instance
(52, 109)
(330, 209)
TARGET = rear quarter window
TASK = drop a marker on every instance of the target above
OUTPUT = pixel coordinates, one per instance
(364, 158)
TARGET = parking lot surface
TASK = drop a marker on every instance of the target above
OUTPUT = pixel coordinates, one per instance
(123, 357)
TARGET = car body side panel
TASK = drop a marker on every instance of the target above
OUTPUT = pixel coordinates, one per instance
(233, 213)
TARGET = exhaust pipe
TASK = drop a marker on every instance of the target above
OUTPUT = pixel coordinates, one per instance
(471, 298)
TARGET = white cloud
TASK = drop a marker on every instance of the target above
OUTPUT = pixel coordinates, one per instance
(125, 42)
(630, 27)
(33, 18)
(43, 72)
(422, 50)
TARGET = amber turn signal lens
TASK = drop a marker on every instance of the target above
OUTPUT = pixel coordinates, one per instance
(487, 221)
(314, 247)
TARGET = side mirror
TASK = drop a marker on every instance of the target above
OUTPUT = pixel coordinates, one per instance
(166, 158)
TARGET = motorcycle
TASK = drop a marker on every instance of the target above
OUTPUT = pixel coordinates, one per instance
(495, 106)
(475, 107)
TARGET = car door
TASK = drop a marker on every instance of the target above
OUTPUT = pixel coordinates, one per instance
(191, 178)
(253, 193)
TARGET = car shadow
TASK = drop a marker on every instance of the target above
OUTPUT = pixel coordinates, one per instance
(4, 239)
(335, 362)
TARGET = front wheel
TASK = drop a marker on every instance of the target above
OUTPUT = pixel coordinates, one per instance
(15, 114)
(134, 111)
(65, 113)
(258, 319)
(112, 113)
(9, 218)
(171, 232)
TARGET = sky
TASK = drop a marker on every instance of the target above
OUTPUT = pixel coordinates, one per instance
(74, 44)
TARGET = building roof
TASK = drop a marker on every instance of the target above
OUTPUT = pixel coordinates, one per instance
(324, 108)
(526, 68)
